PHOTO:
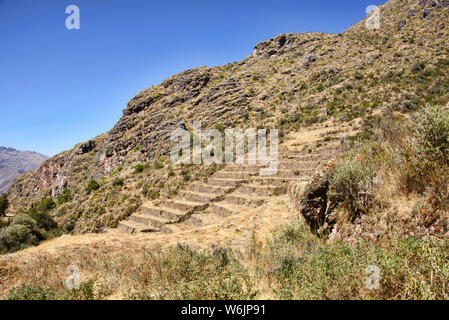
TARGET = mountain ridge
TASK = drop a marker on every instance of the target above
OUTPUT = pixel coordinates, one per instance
(289, 81)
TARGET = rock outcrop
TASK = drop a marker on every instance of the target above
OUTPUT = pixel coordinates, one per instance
(289, 81)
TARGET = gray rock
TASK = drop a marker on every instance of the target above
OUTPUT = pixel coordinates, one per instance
(308, 60)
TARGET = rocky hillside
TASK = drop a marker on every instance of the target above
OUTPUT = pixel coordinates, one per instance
(288, 82)
(14, 163)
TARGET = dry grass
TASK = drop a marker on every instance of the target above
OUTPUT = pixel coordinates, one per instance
(290, 264)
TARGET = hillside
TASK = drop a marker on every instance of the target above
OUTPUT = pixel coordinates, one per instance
(288, 82)
(14, 163)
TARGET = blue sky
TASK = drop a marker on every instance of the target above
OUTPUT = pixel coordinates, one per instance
(59, 87)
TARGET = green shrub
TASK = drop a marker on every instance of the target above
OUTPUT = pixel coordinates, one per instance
(410, 268)
(43, 219)
(45, 205)
(220, 127)
(92, 185)
(24, 219)
(181, 273)
(17, 236)
(29, 228)
(37, 292)
(170, 171)
(419, 66)
(425, 165)
(158, 164)
(358, 76)
(118, 182)
(64, 197)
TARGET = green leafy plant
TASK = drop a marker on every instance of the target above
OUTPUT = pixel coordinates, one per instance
(92, 186)
(64, 197)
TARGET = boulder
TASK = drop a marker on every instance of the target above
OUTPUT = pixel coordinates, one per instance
(314, 201)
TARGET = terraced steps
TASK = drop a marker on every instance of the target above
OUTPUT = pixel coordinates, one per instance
(205, 188)
(185, 205)
(132, 227)
(201, 196)
(299, 165)
(148, 220)
(163, 212)
(224, 210)
(232, 190)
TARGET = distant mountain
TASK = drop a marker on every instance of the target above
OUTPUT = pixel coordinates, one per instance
(14, 162)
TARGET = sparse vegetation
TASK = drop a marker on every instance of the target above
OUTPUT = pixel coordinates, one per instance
(92, 186)
(64, 197)
(118, 182)
(388, 195)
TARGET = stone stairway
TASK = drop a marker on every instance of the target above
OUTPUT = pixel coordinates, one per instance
(229, 191)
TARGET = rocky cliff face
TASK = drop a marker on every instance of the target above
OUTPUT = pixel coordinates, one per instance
(14, 163)
(289, 81)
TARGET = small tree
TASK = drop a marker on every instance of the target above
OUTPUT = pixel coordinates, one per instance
(64, 197)
(3, 205)
(92, 185)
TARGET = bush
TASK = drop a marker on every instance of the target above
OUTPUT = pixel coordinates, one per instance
(27, 228)
(64, 197)
(24, 219)
(409, 268)
(352, 186)
(118, 182)
(170, 171)
(432, 135)
(185, 175)
(92, 185)
(425, 167)
(139, 168)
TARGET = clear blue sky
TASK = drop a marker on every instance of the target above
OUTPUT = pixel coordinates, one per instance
(59, 87)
